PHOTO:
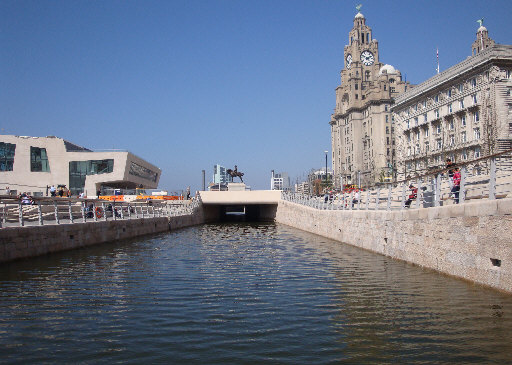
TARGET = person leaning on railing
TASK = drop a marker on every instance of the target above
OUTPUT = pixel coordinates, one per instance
(456, 184)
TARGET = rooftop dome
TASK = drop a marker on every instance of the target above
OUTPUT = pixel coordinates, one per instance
(482, 29)
(387, 69)
(359, 15)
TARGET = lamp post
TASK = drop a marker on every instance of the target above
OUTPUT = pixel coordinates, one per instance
(326, 152)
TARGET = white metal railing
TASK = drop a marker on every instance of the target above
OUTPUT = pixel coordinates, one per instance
(23, 211)
(485, 178)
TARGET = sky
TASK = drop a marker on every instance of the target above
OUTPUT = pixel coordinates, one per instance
(186, 84)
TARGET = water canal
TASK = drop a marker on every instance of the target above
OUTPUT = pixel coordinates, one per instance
(243, 293)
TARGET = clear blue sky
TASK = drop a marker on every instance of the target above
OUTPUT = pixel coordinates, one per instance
(187, 84)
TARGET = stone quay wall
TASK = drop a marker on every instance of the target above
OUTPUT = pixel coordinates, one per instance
(30, 241)
(472, 241)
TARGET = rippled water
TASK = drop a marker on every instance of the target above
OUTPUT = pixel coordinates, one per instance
(243, 293)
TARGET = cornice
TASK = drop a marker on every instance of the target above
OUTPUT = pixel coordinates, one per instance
(489, 56)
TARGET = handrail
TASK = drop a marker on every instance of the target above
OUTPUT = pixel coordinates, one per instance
(14, 212)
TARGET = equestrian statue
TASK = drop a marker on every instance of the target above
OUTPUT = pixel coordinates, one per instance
(235, 173)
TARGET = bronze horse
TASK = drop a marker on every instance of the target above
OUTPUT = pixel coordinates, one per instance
(235, 173)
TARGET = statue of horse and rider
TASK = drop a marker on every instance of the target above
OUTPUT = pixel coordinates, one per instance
(234, 173)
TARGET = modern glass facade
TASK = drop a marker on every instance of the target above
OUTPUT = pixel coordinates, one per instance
(39, 160)
(7, 156)
(141, 171)
(78, 170)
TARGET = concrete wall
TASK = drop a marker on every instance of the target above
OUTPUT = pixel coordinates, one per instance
(460, 240)
(30, 241)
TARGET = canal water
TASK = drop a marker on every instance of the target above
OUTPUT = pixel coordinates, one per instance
(240, 293)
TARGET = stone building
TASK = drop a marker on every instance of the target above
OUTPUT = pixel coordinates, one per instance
(462, 113)
(361, 128)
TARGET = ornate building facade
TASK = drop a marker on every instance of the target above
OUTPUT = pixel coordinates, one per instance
(363, 151)
(462, 113)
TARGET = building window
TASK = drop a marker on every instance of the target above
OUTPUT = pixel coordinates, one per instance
(39, 160)
(473, 82)
(439, 143)
(426, 132)
(461, 88)
(387, 130)
(475, 100)
(386, 107)
(438, 128)
(477, 152)
(463, 137)
(452, 140)
(141, 171)
(408, 137)
(464, 154)
(450, 93)
(416, 121)
(476, 117)
(477, 133)
(392, 89)
(463, 120)
(461, 104)
(451, 125)
(425, 117)
(7, 156)
(450, 109)
(418, 135)
(408, 124)
(436, 113)
(408, 151)
(427, 147)
(78, 170)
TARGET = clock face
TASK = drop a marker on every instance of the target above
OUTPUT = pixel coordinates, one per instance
(349, 60)
(367, 58)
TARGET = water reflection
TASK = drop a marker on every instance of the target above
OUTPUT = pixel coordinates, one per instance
(243, 293)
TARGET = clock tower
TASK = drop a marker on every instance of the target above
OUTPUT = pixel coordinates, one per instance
(361, 126)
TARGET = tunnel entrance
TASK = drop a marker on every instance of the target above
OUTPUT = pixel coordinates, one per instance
(240, 213)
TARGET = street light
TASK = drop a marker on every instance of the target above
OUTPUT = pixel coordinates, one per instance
(326, 152)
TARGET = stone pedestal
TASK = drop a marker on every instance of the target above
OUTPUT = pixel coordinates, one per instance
(236, 187)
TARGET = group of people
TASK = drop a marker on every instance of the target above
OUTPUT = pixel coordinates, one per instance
(455, 178)
(60, 192)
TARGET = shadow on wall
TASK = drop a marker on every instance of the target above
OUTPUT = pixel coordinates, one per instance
(240, 213)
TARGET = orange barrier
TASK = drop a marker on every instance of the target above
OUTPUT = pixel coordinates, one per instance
(117, 198)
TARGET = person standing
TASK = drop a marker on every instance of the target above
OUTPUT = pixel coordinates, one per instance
(7, 191)
(53, 191)
(456, 185)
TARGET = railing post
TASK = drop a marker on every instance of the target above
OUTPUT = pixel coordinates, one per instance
(403, 194)
(20, 214)
(153, 209)
(142, 210)
(84, 218)
(388, 207)
(122, 211)
(377, 201)
(56, 212)
(5, 213)
(70, 212)
(40, 213)
(351, 200)
(492, 180)
(368, 193)
(94, 212)
(104, 211)
(437, 190)
(114, 209)
(418, 194)
(462, 189)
